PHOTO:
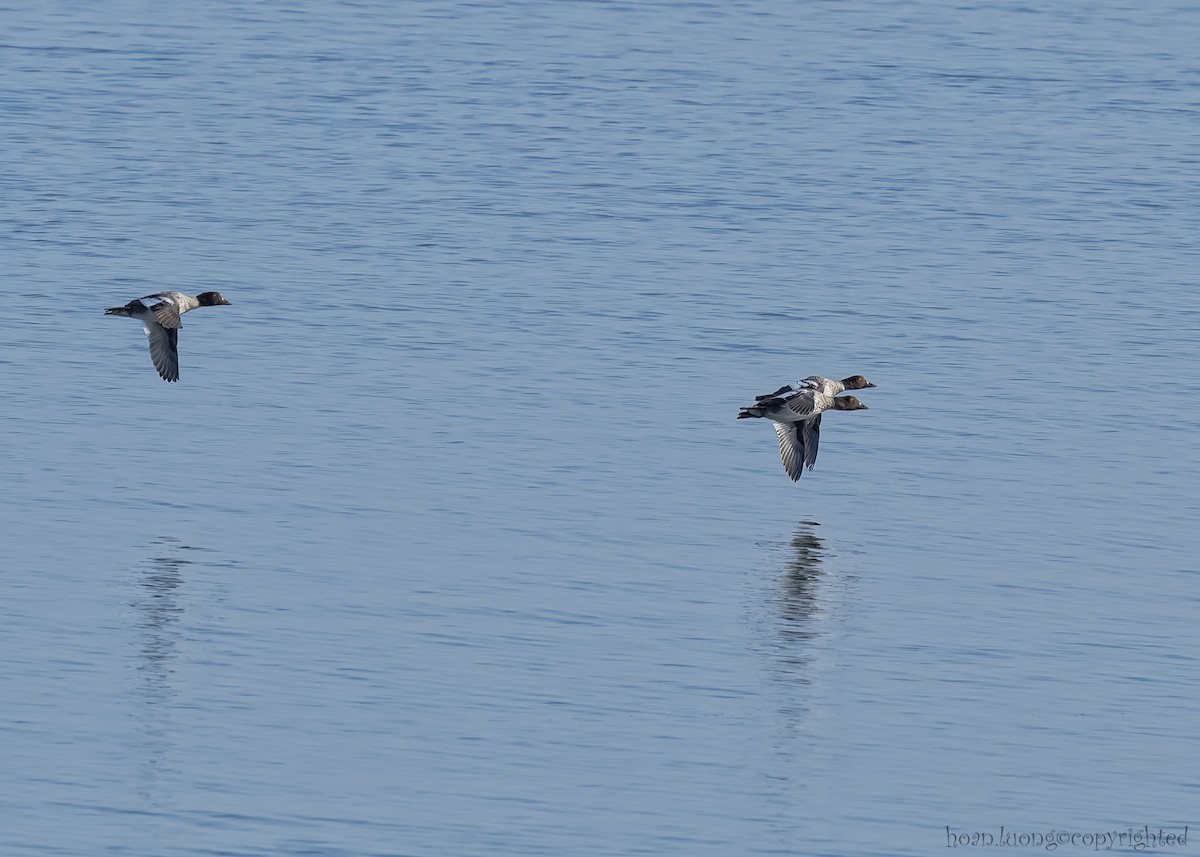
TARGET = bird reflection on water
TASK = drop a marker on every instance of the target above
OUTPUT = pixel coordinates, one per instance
(159, 610)
(791, 601)
(157, 624)
(798, 590)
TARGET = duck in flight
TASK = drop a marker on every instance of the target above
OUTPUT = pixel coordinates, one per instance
(796, 410)
(159, 315)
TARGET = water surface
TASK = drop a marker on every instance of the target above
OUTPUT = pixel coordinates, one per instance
(447, 541)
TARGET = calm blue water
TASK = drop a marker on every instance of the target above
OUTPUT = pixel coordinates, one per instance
(448, 542)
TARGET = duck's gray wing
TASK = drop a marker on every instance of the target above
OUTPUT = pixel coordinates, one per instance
(791, 448)
(164, 348)
(803, 403)
(164, 307)
(810, 437)
(790, 408)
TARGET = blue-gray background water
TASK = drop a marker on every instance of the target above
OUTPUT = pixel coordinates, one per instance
(448, 542)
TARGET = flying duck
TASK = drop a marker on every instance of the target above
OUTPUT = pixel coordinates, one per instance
(159, 315)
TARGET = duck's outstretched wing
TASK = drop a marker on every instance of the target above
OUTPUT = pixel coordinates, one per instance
(164, 348)
(810, 437)
(798, 444)
(791, 448)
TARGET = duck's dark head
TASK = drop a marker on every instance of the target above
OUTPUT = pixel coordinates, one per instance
(856, 382)
(848, 403)
(212, 299)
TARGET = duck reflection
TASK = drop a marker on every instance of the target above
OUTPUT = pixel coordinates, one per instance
(796, 599)
(158, 612)
(792, 606)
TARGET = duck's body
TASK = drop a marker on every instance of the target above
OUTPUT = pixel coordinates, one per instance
(160, 316)
(796, 412)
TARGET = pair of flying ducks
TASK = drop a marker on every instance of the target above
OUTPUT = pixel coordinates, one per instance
(796, 411)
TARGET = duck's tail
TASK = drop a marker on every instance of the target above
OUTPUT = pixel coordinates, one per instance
(750, 411)
(118, 310)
